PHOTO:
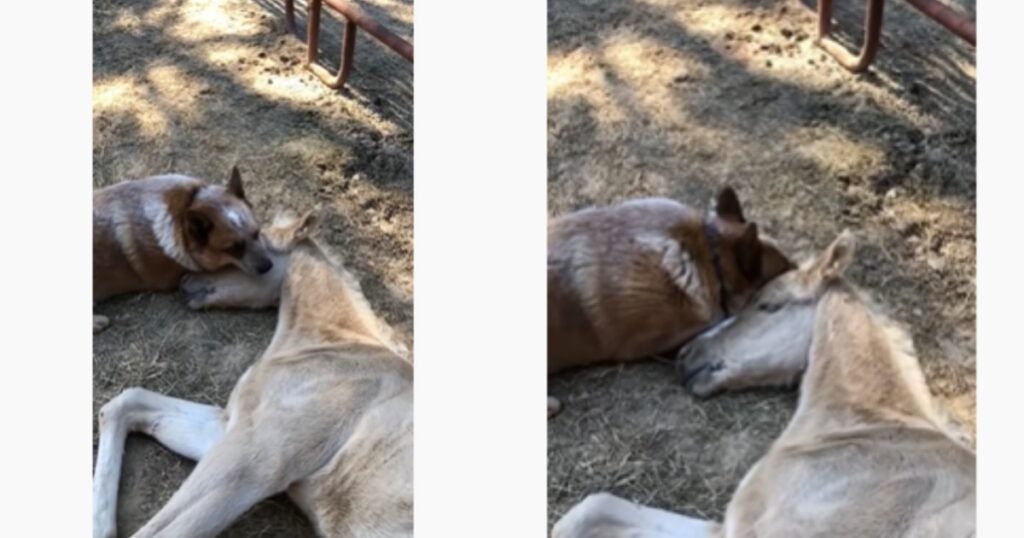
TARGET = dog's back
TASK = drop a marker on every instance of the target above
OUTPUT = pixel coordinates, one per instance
(148, 233)
(136, 243)
(609, 294)
(641, 277)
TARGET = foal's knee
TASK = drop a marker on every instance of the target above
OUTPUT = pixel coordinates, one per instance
(583, 519)
(116, 407)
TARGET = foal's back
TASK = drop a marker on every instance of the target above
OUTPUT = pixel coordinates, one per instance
(333, 399)
(887, 481)
(364, 485)
(866, 453)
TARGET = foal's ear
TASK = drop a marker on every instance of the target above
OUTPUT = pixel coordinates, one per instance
(306, 225)
(837, 257)
(291, 228)
(727, 206)
(748, 252)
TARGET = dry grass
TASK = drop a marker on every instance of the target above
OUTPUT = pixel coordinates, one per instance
(192, 87)
(680, 97)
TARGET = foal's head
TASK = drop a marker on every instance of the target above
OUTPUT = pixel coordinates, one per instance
(766, 343)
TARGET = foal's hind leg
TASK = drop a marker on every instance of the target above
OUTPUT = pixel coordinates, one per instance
(603, 515)
(232, 477)
(187, 428)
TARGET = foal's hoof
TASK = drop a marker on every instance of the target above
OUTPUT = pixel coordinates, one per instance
(701, 378)
(197, 290)
(554, 406)
(99, 323)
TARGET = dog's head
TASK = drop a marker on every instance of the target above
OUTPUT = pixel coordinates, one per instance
(221, 231)
(748, 260)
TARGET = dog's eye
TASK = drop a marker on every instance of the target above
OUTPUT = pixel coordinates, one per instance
(770, 307)
(236, 249)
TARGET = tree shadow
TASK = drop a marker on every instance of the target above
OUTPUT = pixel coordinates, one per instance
(932, 79)
(381, 81)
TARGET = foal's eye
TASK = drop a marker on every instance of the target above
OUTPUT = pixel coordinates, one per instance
(770, 307)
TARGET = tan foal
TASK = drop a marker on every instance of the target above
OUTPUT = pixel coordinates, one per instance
(867, 454)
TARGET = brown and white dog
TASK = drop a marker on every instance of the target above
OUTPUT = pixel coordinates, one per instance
(148, 233)
(642, 277)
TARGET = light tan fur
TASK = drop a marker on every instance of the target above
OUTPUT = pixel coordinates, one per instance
(147, 233)
(628, 281)
(867, 453)
(325, 415)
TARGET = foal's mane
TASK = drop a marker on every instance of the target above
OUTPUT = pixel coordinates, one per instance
(898, 333)
(904, 353)
(311, 251)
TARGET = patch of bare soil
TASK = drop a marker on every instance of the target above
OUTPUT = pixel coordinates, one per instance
(193, 87)
(680, 97)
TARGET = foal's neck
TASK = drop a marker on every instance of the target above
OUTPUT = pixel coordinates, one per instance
(322, 304)
(862, 369)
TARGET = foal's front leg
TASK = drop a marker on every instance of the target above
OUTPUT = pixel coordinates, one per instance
(187, 428)
(603, 515)
(234, 475)
(233, 288)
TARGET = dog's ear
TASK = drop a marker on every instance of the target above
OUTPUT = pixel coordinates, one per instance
(235, 183)
(727, 206)
(748, 253)
(198, 226)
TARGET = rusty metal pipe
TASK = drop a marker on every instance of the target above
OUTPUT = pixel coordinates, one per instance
(953, 20)
(355, 18)
(289, 15)
(872, 34)
(348, 48)
(313, 31)
(355, 14)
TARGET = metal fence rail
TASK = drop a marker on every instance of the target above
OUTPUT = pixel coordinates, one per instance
(355, 18)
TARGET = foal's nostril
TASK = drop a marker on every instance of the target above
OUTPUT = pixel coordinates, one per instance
(690, 374)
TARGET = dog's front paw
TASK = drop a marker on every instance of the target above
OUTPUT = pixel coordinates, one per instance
(198, 290)
(99, 323)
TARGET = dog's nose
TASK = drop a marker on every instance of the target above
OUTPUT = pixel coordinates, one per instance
(264, 266)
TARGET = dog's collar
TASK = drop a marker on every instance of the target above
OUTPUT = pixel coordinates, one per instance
(714, 244)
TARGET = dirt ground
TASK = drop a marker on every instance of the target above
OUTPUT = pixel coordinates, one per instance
(194, 87)
(680, 97)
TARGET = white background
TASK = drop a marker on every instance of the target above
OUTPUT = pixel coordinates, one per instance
(480, 231)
